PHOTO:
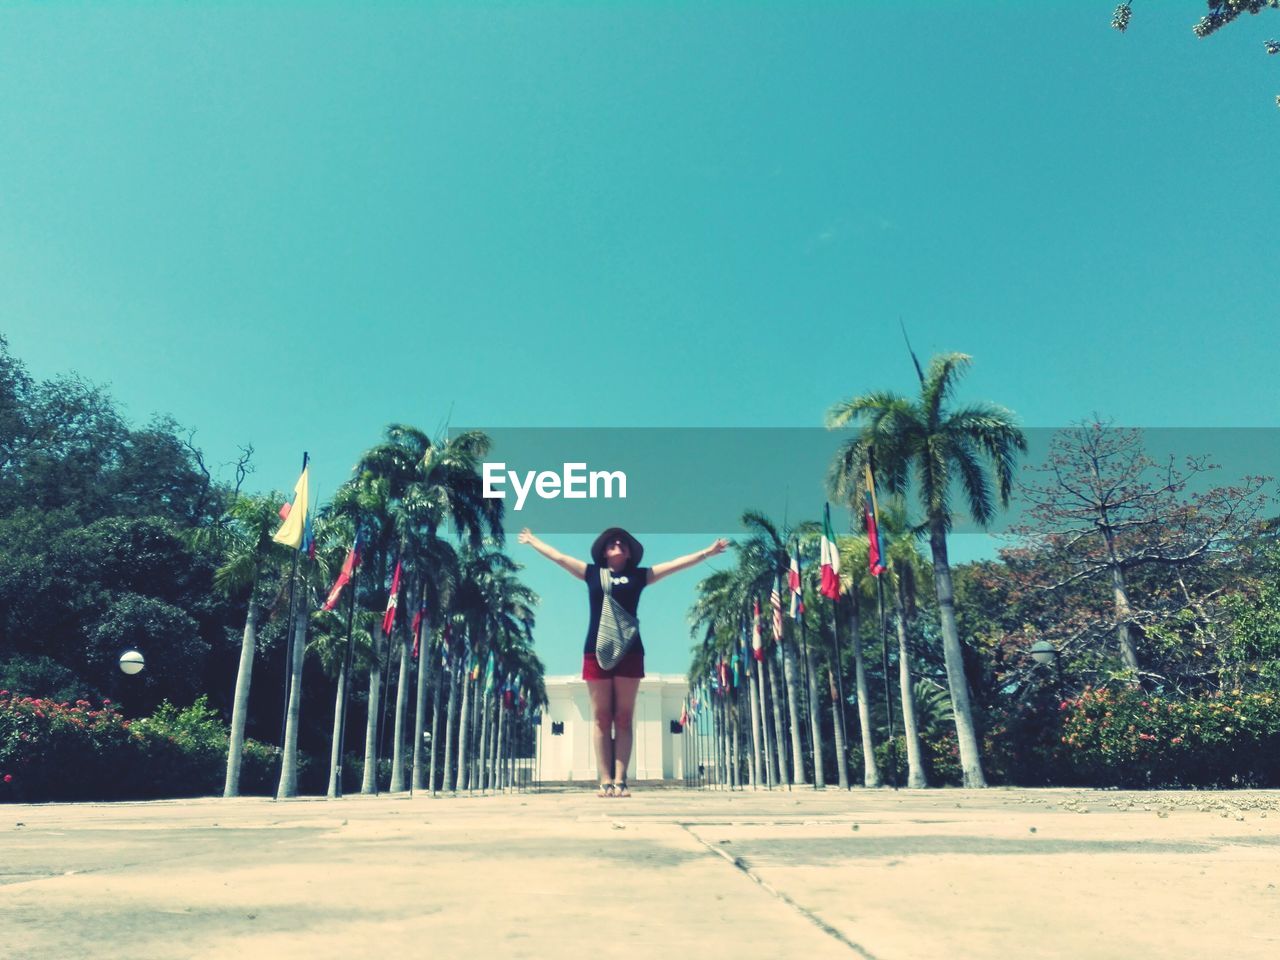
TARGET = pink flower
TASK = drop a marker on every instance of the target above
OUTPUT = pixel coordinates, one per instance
(1176, 740)
(8, 778)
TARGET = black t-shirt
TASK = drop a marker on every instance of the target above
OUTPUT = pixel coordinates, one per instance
(626, 589)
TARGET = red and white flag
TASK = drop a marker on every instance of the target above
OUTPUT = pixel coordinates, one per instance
(344, 576)
(830, 557)
(793, 582)
(389, 618)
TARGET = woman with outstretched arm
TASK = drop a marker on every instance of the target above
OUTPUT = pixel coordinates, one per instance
(616, 555)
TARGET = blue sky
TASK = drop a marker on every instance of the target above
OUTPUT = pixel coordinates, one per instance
(290, 224)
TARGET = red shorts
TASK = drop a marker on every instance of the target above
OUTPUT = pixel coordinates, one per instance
(632, 665)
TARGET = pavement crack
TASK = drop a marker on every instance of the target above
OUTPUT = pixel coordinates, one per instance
(804, 911)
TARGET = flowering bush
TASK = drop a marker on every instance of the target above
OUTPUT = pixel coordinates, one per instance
(1132, 738)
(53, 750)
(62, 750)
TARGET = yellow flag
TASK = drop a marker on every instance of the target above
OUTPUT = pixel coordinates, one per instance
(290, 532)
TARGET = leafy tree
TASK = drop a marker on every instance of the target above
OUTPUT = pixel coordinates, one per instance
(943, 448)
(1103, 511)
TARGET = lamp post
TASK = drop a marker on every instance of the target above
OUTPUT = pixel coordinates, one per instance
(1042, 651)
(132, 662)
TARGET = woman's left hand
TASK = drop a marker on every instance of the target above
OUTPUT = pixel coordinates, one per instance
(718, 547)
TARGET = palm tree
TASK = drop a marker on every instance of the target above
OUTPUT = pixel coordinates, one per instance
(905, 568)
(854, 575)
(765, 560)
(312, 576)
(429, 484)
(497, 613)
(938, 446)
(244, 536)
(719, 611)
(329, 644)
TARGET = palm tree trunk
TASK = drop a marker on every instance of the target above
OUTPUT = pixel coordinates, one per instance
(781, 770)
(725, 765)
(447, 781)
(966, 735)
(240, 709)
(402, 700)
(815, 719)
(464, 722)
(369, 782)
(835, 672)
(790, 670)
(736, 742)
(335, 750)
(499, 766)
(288, 786)
(842, 761)
(757, 761)
(769, 774)
(910, 727)
(482, 755)
(870, 770)
(435, 723)
(420, 712)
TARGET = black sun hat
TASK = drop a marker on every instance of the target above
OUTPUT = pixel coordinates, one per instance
(633, 545)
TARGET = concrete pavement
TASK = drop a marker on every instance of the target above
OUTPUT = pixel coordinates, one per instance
(562, 873)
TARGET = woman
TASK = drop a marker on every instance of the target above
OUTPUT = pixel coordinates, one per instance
(613, 692)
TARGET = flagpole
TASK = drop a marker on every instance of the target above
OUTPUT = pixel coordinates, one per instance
(888, 700)
(808, 707)
(346, 675)
(288, 657)
(838, 669)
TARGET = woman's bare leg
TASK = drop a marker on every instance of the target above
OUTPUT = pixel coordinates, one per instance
(601, 694)
(624, 706)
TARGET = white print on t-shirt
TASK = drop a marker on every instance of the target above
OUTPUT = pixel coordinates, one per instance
(619, 579)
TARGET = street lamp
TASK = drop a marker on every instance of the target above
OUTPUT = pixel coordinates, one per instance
(132, 662)
(1042, 651)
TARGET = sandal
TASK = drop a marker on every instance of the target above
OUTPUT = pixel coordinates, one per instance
(606, 790)
(620, 789)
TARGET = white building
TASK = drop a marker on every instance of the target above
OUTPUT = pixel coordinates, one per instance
(566, 749)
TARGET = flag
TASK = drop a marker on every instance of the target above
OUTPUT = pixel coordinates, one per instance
(733, 663)
(393, 598)
(446, 641)
(489, 670)
(793, 581)
(775, 601)
(417, 625)
(830, 557)
(684, 714)
(295, 516)
(724, 675)
(474, 672)
(348, 571)
(875, 548)
(757, 646)
(509, 692)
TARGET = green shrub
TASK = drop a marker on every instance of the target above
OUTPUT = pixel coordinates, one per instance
(1131, 738)
(73, 751)
(52, 750)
